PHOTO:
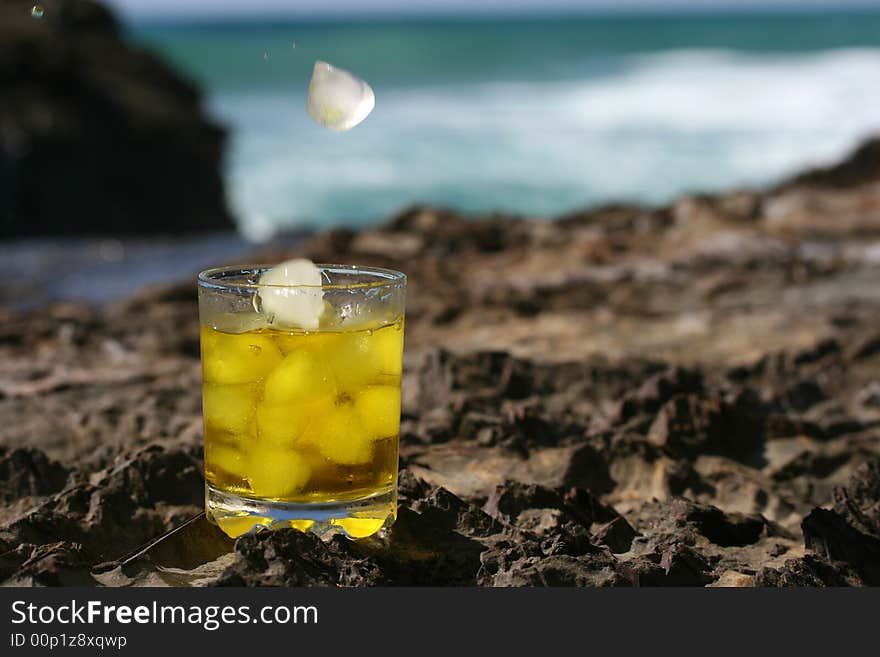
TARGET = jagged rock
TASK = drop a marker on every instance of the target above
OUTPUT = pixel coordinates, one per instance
(421, 552)
(724, 529)
(691, 424)
(559, 570)
(527, 505)
(527, 564)
(616, 534)
(809, 571)
(589, 469)
(848, 534)
(677, 565)
(689, 523)
(56, 564)
(657, 390)
(445, 511)
(28, 473)
(859, 501)
(829, 535)
(288, 557)
(508, 501)
(146, 493)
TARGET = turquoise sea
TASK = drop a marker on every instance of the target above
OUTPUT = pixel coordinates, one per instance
(536, 116)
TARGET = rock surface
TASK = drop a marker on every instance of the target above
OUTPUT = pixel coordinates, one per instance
(97, 136)
(626, 396)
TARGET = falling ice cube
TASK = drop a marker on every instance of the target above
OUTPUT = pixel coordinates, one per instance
(338, 100)
(292, 295)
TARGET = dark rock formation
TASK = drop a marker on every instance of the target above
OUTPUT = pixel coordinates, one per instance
(862, 166)
(28, 473)
(291, 558)
(859, 501)
(809, 571)
(97, 136)
(827, 534)
(688, 425)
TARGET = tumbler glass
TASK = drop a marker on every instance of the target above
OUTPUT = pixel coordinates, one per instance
(302, 426)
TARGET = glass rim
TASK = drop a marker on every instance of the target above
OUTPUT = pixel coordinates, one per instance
(384, 277)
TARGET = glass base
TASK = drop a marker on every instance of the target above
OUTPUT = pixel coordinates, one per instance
(236, 515)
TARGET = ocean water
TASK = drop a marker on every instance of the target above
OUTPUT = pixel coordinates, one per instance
(532, 116)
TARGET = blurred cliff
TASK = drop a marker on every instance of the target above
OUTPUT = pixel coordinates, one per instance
(98, 137)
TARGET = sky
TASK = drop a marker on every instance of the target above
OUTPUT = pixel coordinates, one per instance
(207, 8)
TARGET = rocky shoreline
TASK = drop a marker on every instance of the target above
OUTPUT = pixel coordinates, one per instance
(625, 396)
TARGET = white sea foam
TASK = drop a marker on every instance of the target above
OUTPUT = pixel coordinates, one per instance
(663, 124)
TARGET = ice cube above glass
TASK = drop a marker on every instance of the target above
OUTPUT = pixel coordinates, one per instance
(301, 372)
(337, 99)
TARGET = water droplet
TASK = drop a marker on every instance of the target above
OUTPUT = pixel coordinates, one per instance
(369, 331)
(37, 11)
(293, 45)
(265, 55)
